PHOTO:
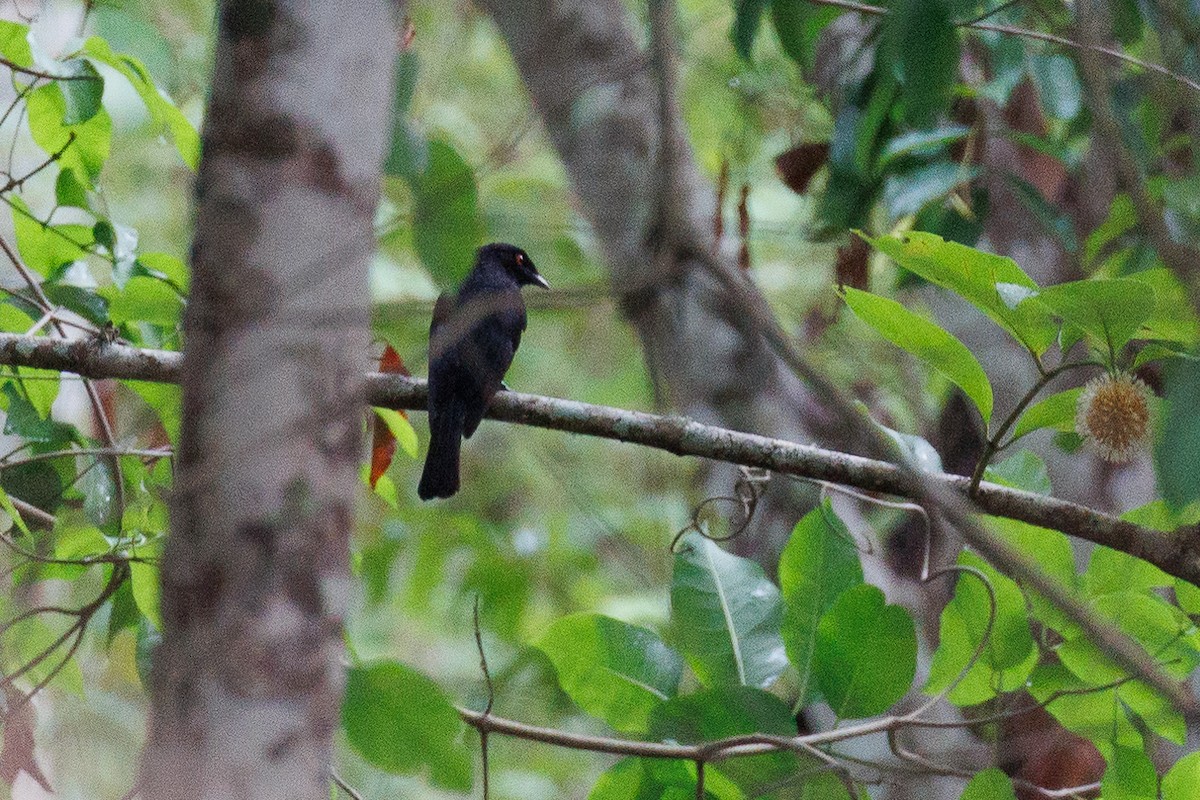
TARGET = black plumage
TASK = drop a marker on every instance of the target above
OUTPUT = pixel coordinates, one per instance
(472, 340)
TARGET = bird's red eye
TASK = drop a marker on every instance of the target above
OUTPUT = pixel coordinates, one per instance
(520, 259)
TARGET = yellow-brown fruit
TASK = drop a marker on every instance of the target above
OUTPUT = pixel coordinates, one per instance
(1114, 412)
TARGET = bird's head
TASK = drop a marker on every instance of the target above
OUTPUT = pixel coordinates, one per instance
(516, 262)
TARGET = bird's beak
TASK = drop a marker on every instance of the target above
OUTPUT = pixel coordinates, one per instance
(538, 280)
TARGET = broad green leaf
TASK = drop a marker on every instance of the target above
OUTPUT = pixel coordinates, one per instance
(925, 340)
(407, 156)
(85, 154)
(33, 639)
(1177, 450)
(81, 94)
(14, 43)
(1056, 558)
(1174, 319)
(866, 654)
(45, 248)
(991, 784)
(41, 387)
(1157, 712)
(818, 564)
(1111, 311)
(446, 223)
(747, 17)
(1023, 470)
(145, 581)
(798, 24)
(144, 300)
(1188, 596)
(719, 713)
(7, 504)
(23, 420)
(1130, 776)
(921, 143)
(400, 721)
(906, 193)
(1182, 778)
(162, 111)
(727, 615)
(922, 39)
(1058, 85)
(401, 428)
(975, 276)
(1121, 219)
(612, 670)
(1095, 715)
(651, 779)
(1111, 570)
(1161, 629)
(1006, 652)
(1057, 412)
(166, 267)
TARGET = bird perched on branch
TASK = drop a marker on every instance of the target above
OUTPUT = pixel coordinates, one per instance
(472, 340)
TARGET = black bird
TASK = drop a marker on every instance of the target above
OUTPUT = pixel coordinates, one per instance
(472, 341)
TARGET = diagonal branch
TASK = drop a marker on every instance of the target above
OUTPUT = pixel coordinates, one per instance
(1176, 553)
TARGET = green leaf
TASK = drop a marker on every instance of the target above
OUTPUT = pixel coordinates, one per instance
(712, 714)
(1057, 412)
(978, 277)
(746, 20)
(1182, 778)
(1056, 558)
(798, 24)
(400, 721)
(82, 94)
(1093, 714)
(921, 143)
(925, 340)
(1173, 319)
(651, 779)
(1121, 219)
(1006, 652)
(906, 193)
(401, 428)
(166, 267)
(45, 248)
(143, 300)
(866, 654)
(68, 191)
(991, 784)
(1057, 84)
(1114, 571)
(818, 564)
(1024, 470)
(1177, 450)
(162, 111)
(446, 223)
(1130, 776)
(1161, 629)
(1111, 311)
(14, 43)
(1156, 711)
(85, 154)
(7, 504)
(144, 578)
(407, 156)
(727, 615)
(23, 420)
(923, 42)
(612, 670)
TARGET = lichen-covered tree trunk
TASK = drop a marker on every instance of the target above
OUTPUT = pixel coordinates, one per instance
(247, 681)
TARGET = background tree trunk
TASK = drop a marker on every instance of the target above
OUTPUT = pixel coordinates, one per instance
(248, 679)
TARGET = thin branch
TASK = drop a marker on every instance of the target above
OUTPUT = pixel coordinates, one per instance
(1176, 553)
(879, 11)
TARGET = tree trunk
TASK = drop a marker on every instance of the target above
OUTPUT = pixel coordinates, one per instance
(247, 682)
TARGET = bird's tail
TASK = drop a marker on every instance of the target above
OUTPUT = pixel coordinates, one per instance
(440, 477)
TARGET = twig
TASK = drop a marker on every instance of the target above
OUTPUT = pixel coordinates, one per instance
(1025, 33)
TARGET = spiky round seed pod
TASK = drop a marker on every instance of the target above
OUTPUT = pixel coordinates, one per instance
(1114, 412)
